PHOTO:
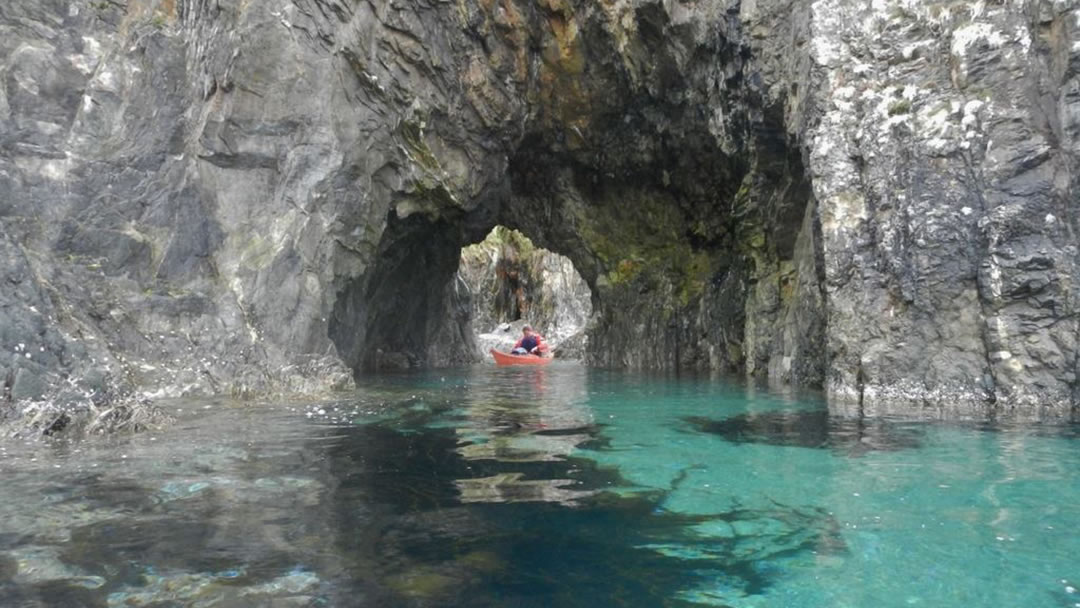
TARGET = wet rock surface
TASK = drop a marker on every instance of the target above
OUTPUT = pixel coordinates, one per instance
(943, 173)
(231, 197)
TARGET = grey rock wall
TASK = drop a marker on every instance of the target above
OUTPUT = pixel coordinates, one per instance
(229, 196)
(945, 166)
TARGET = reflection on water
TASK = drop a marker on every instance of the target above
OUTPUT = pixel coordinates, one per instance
(582, 547)
(526, 418)
(541, 487)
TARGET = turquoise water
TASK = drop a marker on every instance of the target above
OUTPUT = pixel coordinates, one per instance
(543, 487)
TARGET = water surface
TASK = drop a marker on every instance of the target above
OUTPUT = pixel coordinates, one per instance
(543, 487)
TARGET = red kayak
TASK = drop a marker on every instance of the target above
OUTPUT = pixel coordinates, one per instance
(508, 359)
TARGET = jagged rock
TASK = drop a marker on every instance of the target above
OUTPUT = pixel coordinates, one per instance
(572, 346)
(202, 196)
(501, 338)
(27, 385)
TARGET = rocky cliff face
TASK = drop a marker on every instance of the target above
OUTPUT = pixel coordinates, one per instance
(217, 195)
(945, 168)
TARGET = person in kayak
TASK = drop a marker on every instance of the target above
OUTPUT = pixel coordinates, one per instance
(530, 343)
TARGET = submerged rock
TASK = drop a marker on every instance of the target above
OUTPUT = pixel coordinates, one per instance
(212, 590)
(812, 429)
(83, 417)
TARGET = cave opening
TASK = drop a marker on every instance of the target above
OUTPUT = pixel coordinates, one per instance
(512, 282)
(710, 263)
(444, 290)
(699, 247)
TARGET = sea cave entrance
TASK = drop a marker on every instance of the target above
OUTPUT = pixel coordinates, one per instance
(442, 293)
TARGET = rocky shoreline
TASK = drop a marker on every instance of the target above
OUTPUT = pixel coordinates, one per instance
(223, 197)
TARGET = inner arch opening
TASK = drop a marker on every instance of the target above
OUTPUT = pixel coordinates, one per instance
(444, 290)
(512, 282)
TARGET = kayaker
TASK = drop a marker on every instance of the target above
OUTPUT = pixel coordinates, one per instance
(530, 342)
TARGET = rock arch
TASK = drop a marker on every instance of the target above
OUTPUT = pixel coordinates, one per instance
(234, 196)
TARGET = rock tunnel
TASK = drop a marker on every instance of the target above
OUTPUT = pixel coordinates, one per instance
(227, 196)
(671, 183)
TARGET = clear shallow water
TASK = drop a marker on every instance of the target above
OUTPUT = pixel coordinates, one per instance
(543, 487)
